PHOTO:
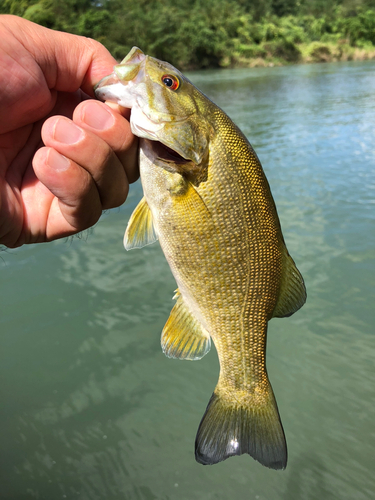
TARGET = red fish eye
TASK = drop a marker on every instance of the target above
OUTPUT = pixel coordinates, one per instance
(171, 82)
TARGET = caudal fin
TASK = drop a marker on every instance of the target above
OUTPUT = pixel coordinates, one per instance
(230, 428)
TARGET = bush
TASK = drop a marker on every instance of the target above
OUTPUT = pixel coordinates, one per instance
(283, 49)
(292, 30)
(331, 38)
(251, 51)
(361, 27)
(271, 32)
(319, 52)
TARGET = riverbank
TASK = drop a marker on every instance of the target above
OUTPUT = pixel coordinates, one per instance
(282, 54)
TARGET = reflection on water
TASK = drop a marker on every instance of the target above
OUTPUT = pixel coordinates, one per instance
(93, 410)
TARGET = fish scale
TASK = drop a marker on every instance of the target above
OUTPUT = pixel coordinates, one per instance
(207, 200)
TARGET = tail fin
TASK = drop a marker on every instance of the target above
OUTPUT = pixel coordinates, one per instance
(229, 428)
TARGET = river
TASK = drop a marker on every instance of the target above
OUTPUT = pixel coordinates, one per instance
(92, 409)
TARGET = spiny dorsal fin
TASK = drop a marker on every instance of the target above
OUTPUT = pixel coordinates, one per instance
(292, 294)
(140, 231)
(183, 336)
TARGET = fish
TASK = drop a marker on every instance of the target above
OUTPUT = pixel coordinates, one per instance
(208, 202)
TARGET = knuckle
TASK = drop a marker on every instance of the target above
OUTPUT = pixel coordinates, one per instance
(87, 218)
(117, 196)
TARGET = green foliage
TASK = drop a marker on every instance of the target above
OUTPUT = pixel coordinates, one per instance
(41, 13)
(282, 49)
(360, 28)
(284, 7)
(293, 30)
(95, 23)
(212, 33)
(200, 38)
(251, 51)
(15, 7)
(319, 52)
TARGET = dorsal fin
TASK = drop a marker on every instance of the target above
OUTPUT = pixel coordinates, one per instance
(292, 294)
(140, 231)
(183, 336)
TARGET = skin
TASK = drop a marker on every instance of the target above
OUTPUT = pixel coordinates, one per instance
(64, 157)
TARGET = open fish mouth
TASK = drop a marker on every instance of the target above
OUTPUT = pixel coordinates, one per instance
(165, 153)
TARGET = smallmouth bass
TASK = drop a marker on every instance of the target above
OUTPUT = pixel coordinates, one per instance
(207, 200)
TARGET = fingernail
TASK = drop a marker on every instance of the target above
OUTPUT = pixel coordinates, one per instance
(57, 161)
(66, 132)
(97, 116)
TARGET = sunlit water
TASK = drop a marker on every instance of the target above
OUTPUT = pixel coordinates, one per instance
(92, 409)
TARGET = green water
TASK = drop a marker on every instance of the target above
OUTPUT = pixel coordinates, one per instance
(92, 409)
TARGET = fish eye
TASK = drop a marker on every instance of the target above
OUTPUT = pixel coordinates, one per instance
(171, 82)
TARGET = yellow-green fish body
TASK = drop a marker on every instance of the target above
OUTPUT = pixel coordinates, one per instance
(207, 200)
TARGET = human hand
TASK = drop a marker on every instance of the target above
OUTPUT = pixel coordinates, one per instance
(89, 154)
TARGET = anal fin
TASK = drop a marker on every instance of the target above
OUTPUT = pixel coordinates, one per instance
(140, 231)
(183, 337)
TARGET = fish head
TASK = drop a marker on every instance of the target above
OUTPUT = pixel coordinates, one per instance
(165, 107)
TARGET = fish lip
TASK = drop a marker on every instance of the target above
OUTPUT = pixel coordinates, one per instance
(104, 82)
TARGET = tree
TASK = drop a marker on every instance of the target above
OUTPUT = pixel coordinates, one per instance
(284, 7)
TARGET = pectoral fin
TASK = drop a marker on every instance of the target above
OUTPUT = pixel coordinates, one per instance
(292, 294)
(140, 231)
(183, 336)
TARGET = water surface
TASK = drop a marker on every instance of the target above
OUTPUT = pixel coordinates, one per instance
(92, 409)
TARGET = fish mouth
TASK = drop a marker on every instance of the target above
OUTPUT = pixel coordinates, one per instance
(165, 153)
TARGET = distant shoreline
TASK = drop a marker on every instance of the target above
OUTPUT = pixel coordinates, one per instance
(315, 52)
